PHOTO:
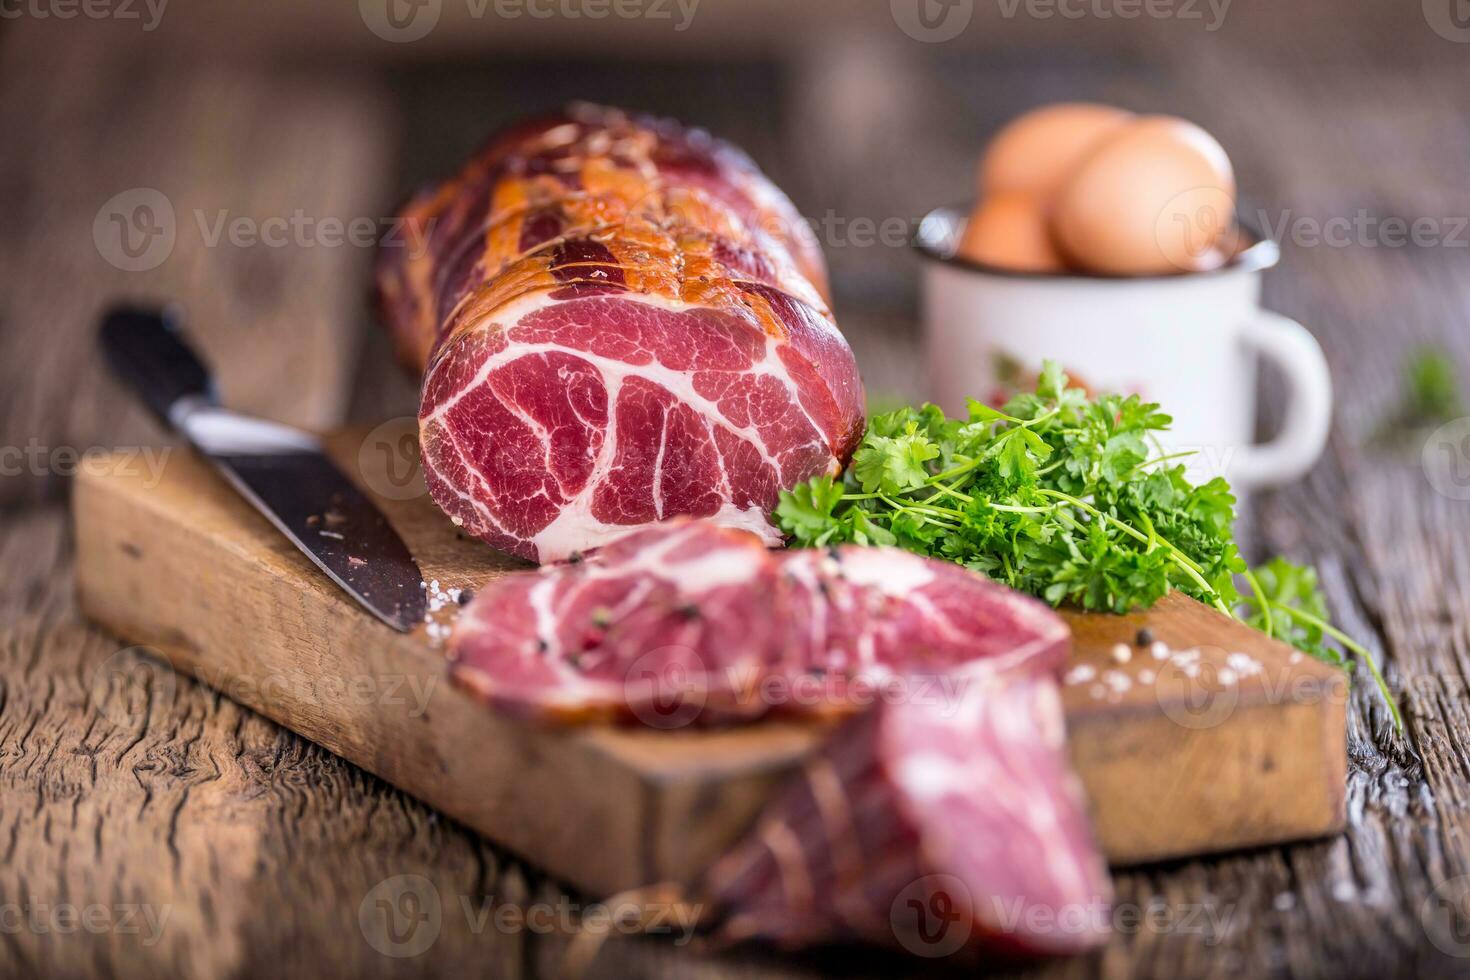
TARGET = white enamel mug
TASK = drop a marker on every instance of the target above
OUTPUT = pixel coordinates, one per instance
(1190, 342)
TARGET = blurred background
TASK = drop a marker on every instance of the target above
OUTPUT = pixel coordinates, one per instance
(867, 112)
(216, 154)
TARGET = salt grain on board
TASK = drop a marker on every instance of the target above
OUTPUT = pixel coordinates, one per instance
(1117, 682)
(1080, 674)
(439, 600)
(1243, 664)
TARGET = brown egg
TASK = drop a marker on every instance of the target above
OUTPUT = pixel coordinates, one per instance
(1009, 231)
(1155, 197)
(1036, 152)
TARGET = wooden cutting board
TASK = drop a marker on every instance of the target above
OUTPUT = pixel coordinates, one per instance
(1231, 740)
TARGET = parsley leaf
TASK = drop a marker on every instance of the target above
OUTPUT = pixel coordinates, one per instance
(892, 464)
(806, 509)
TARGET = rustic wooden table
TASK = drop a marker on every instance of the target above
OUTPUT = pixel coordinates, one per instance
(183, 835)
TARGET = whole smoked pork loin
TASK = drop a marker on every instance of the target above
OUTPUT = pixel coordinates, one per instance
(689, 622)
(618, 320)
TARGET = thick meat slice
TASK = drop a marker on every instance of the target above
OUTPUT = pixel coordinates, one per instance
(619, 321)
(663, 627)
(940, 830)
(881, 623)
(689, 622)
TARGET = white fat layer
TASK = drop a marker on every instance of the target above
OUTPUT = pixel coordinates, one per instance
(710, 569)
(890, 571)
(575, 528)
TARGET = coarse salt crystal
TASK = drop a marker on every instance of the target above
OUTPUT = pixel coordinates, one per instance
(1159, 649)
(1080, 674)
(1122, 653)
(1227, 676)
(1146, 676)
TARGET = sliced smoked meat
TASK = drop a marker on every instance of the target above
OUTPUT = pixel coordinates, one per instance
(944, 830)
(618, 321)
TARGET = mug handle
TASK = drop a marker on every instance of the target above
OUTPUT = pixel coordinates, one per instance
(1292, 348)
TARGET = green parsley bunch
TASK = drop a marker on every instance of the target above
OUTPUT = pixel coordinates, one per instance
(1065, 498)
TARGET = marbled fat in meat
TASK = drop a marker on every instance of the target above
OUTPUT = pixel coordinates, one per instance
(618, 321)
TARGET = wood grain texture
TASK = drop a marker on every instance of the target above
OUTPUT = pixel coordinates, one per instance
(1326, 109)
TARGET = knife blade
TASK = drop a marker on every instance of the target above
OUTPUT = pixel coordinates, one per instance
(282, 471)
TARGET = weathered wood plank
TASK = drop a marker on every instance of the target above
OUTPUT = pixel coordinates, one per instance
(231, 845)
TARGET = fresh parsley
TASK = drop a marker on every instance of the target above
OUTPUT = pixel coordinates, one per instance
(1063, 497)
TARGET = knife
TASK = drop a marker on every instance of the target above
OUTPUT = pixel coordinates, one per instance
(282, 471)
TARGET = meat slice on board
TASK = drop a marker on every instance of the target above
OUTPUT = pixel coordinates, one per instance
(953, 829)
(689, 622)
(662, 627)
(618, 321)
(942, 819)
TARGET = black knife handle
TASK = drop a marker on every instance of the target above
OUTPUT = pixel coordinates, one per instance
(146, 351)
